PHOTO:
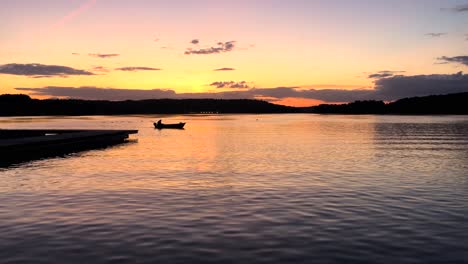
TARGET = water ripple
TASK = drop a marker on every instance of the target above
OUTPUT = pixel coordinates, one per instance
(243, 189)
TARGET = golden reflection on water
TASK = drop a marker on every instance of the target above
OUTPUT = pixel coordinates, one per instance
(225, 152)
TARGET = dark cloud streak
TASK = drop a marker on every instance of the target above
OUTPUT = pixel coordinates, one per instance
(103, 55)
(379, 75)
(37, 70)
(94, 93)
(137, 69)
(383, 74)
(461, 8)
(225, 69)
(457, 59)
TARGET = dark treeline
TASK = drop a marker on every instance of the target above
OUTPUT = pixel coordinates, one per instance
(358, 107)
(23, 105)
(456, 104)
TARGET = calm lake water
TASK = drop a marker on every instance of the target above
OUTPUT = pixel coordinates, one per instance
(244, 189)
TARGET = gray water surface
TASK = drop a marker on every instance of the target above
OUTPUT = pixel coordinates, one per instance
(244, 189)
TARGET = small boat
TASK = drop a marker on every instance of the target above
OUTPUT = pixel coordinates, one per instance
(175, 126)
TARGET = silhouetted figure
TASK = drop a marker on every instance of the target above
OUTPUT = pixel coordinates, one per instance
(159, 122)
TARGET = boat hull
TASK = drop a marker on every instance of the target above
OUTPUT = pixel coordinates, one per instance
(172, 126)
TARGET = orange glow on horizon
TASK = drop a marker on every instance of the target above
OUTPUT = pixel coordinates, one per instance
(301, 102)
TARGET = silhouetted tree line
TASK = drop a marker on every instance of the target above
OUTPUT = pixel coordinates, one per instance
(12, 105)
(23, 105)
(358, 107)
(456, 104)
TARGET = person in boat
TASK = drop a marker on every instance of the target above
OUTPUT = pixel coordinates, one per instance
(159, 122)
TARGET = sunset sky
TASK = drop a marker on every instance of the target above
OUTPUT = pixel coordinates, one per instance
(296, 52)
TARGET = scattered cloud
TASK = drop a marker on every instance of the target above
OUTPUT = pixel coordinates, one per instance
(103, 55)
(75, 53)
(436, 35)
(156, 39)
(195, 41)
(36, 70)
(457, 59)
(225, 69)
(383, 74)
(137, 69)
(231, 84)
(466, 35)
(388, 89)
(219, 48)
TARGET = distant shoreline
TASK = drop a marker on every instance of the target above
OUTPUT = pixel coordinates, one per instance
(23, 105)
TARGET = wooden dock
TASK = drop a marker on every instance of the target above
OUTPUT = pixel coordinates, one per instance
(22, 145)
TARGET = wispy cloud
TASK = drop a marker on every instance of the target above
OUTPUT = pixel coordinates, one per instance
(219, 48)
(225, 69)
(75, 53)
(36, 70)
(436, 35)
(231, 84)
(75, 13)
(100, 69)
(137, 69)
(383, 74)
(457, 59)
(195, 41)
(103, 55)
